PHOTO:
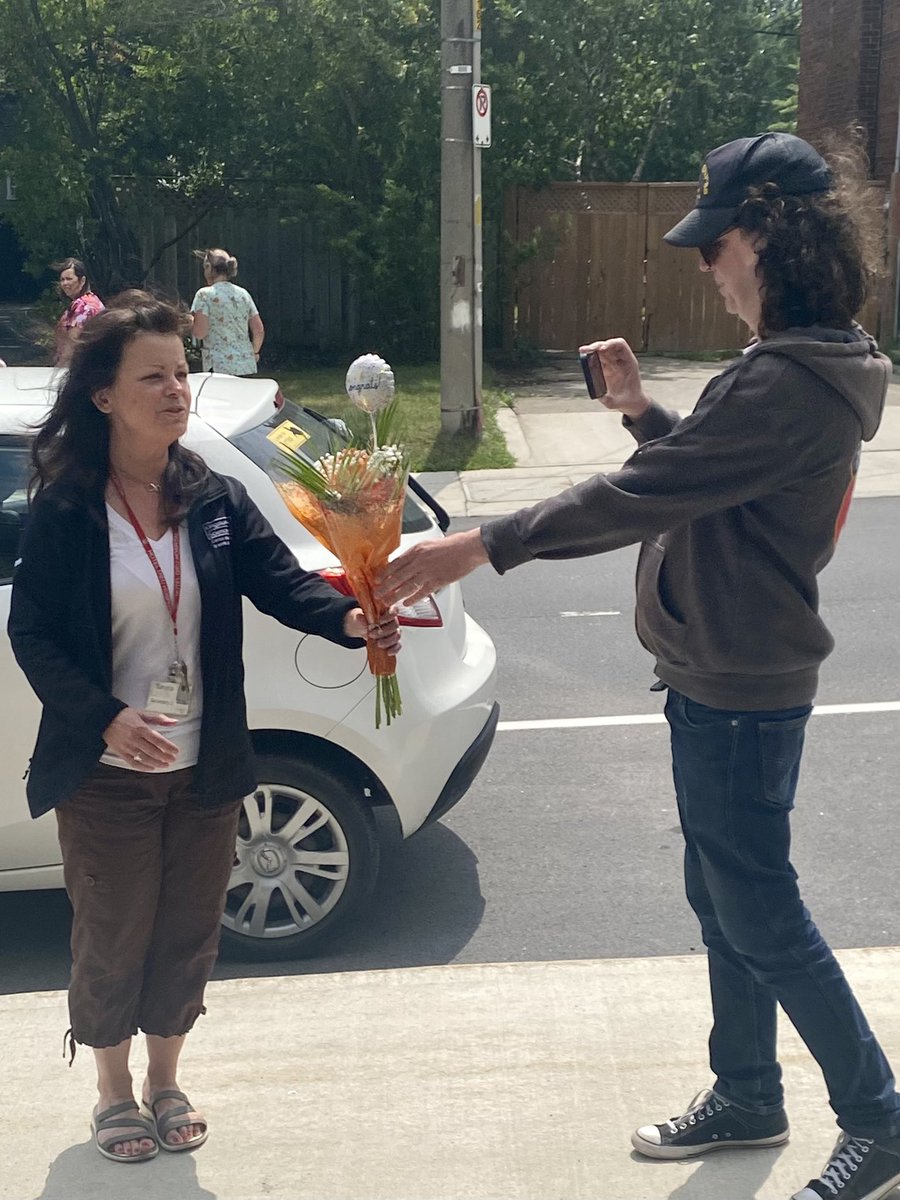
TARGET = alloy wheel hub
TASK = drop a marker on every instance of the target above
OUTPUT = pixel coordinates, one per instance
(269, 859)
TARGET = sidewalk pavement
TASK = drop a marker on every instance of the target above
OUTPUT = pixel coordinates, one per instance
(559, 436)
(517, 1081)
(497, 1082)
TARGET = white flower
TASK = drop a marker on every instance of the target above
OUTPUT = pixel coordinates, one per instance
(387, 459)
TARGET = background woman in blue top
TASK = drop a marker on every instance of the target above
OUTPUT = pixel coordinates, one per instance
(226, 318)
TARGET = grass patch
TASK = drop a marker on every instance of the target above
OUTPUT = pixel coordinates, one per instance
(419, 393)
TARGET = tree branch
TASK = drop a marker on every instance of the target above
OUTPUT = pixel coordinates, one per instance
(63, 97)
(160, 250)
(655, 127)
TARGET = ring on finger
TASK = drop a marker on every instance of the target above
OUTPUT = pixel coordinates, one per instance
(137, 757)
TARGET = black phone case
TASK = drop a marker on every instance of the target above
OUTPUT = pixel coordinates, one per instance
(589, 376)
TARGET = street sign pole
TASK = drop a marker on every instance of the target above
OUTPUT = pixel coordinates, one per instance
(461, 261)
(477, 240)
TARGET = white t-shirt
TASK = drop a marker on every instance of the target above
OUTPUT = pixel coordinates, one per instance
(142, 638)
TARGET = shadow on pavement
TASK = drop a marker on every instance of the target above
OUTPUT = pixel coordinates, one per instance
(426, 907)
(80, 1173)
(737, 1174)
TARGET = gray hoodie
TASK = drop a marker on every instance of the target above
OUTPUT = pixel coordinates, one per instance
(738, 507)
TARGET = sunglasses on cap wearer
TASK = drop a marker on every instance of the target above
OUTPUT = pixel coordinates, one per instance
(710, 251)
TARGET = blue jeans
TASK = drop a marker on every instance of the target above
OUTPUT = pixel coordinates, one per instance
(735, 778)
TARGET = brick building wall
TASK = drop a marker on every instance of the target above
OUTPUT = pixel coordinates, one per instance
(889, 90)
(850, 71)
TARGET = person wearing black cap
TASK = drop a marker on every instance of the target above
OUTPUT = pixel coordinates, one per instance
(738, 508)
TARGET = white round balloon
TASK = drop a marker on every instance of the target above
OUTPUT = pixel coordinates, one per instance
(370, 383)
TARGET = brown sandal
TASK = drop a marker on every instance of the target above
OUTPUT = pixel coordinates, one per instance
(169, 1121)
(113, 1118)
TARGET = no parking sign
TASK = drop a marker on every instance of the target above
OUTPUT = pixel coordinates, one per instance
(481, 114)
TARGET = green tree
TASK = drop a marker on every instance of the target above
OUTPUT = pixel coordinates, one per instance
(633, 89)
(308, 105)
(91, 97)
(331, 112)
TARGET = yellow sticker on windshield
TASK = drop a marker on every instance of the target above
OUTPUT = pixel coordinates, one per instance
(288, 436)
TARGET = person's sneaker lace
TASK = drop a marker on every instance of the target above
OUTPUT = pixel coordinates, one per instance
(859, 1169)
(710, 1123)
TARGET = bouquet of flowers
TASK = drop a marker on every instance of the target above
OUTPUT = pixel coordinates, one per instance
(352, 501)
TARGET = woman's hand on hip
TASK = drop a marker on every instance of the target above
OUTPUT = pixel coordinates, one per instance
(385, 635)
(131, 735)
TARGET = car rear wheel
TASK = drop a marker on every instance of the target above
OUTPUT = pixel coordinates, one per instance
(306, 859)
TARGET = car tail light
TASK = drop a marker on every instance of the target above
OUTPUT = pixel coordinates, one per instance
(424, 614)
(279, 398)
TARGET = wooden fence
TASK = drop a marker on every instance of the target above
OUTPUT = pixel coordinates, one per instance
(569, 263)
(305, 295)
(588, 260)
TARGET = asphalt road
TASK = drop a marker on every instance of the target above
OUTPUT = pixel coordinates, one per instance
(567, 845)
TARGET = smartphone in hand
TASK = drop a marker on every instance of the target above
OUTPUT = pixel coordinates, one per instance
(593, 375)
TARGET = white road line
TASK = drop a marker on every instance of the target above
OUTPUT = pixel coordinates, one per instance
(600, 613)
(820, 710)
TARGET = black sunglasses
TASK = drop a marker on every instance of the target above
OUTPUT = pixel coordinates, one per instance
(710, 251)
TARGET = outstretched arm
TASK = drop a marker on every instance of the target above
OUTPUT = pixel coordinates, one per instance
(428, 566)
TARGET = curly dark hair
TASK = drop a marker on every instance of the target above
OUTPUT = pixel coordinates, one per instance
(822, 252)
(72, 444)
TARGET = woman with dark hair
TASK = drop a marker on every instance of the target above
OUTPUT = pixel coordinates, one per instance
(126, 619)
(225, 318)
(739, 507)
(83, 304)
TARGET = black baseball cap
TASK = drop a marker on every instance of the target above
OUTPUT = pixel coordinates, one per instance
(729, 171)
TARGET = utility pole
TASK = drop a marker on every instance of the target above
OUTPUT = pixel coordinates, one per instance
(461, 260)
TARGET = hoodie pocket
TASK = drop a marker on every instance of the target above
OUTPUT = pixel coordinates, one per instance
(659, 629)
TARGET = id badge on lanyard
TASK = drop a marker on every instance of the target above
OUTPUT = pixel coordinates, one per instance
(170, 696)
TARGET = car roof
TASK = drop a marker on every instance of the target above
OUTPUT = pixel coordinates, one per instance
(229, 403)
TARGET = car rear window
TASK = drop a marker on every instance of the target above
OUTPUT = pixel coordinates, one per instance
(15, 470)
(311, 435)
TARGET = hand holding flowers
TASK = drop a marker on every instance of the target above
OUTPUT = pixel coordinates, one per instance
(385, 635)
(352, 500)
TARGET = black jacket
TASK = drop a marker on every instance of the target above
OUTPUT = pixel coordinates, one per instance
(60, 629)
(738, 507)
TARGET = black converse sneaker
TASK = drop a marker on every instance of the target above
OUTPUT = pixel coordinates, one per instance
(711, 1123)
(859, 1169)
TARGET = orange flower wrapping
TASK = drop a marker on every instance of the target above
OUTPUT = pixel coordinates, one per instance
(362, 541)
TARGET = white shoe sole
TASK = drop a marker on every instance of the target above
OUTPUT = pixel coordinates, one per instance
(882, 1190)
(651, 1150)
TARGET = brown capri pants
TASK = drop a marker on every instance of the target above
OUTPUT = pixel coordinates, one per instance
(146, 868)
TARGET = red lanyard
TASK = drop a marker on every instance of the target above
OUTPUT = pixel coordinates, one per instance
(170, 601)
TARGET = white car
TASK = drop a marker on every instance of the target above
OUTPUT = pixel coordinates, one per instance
(307, 850)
